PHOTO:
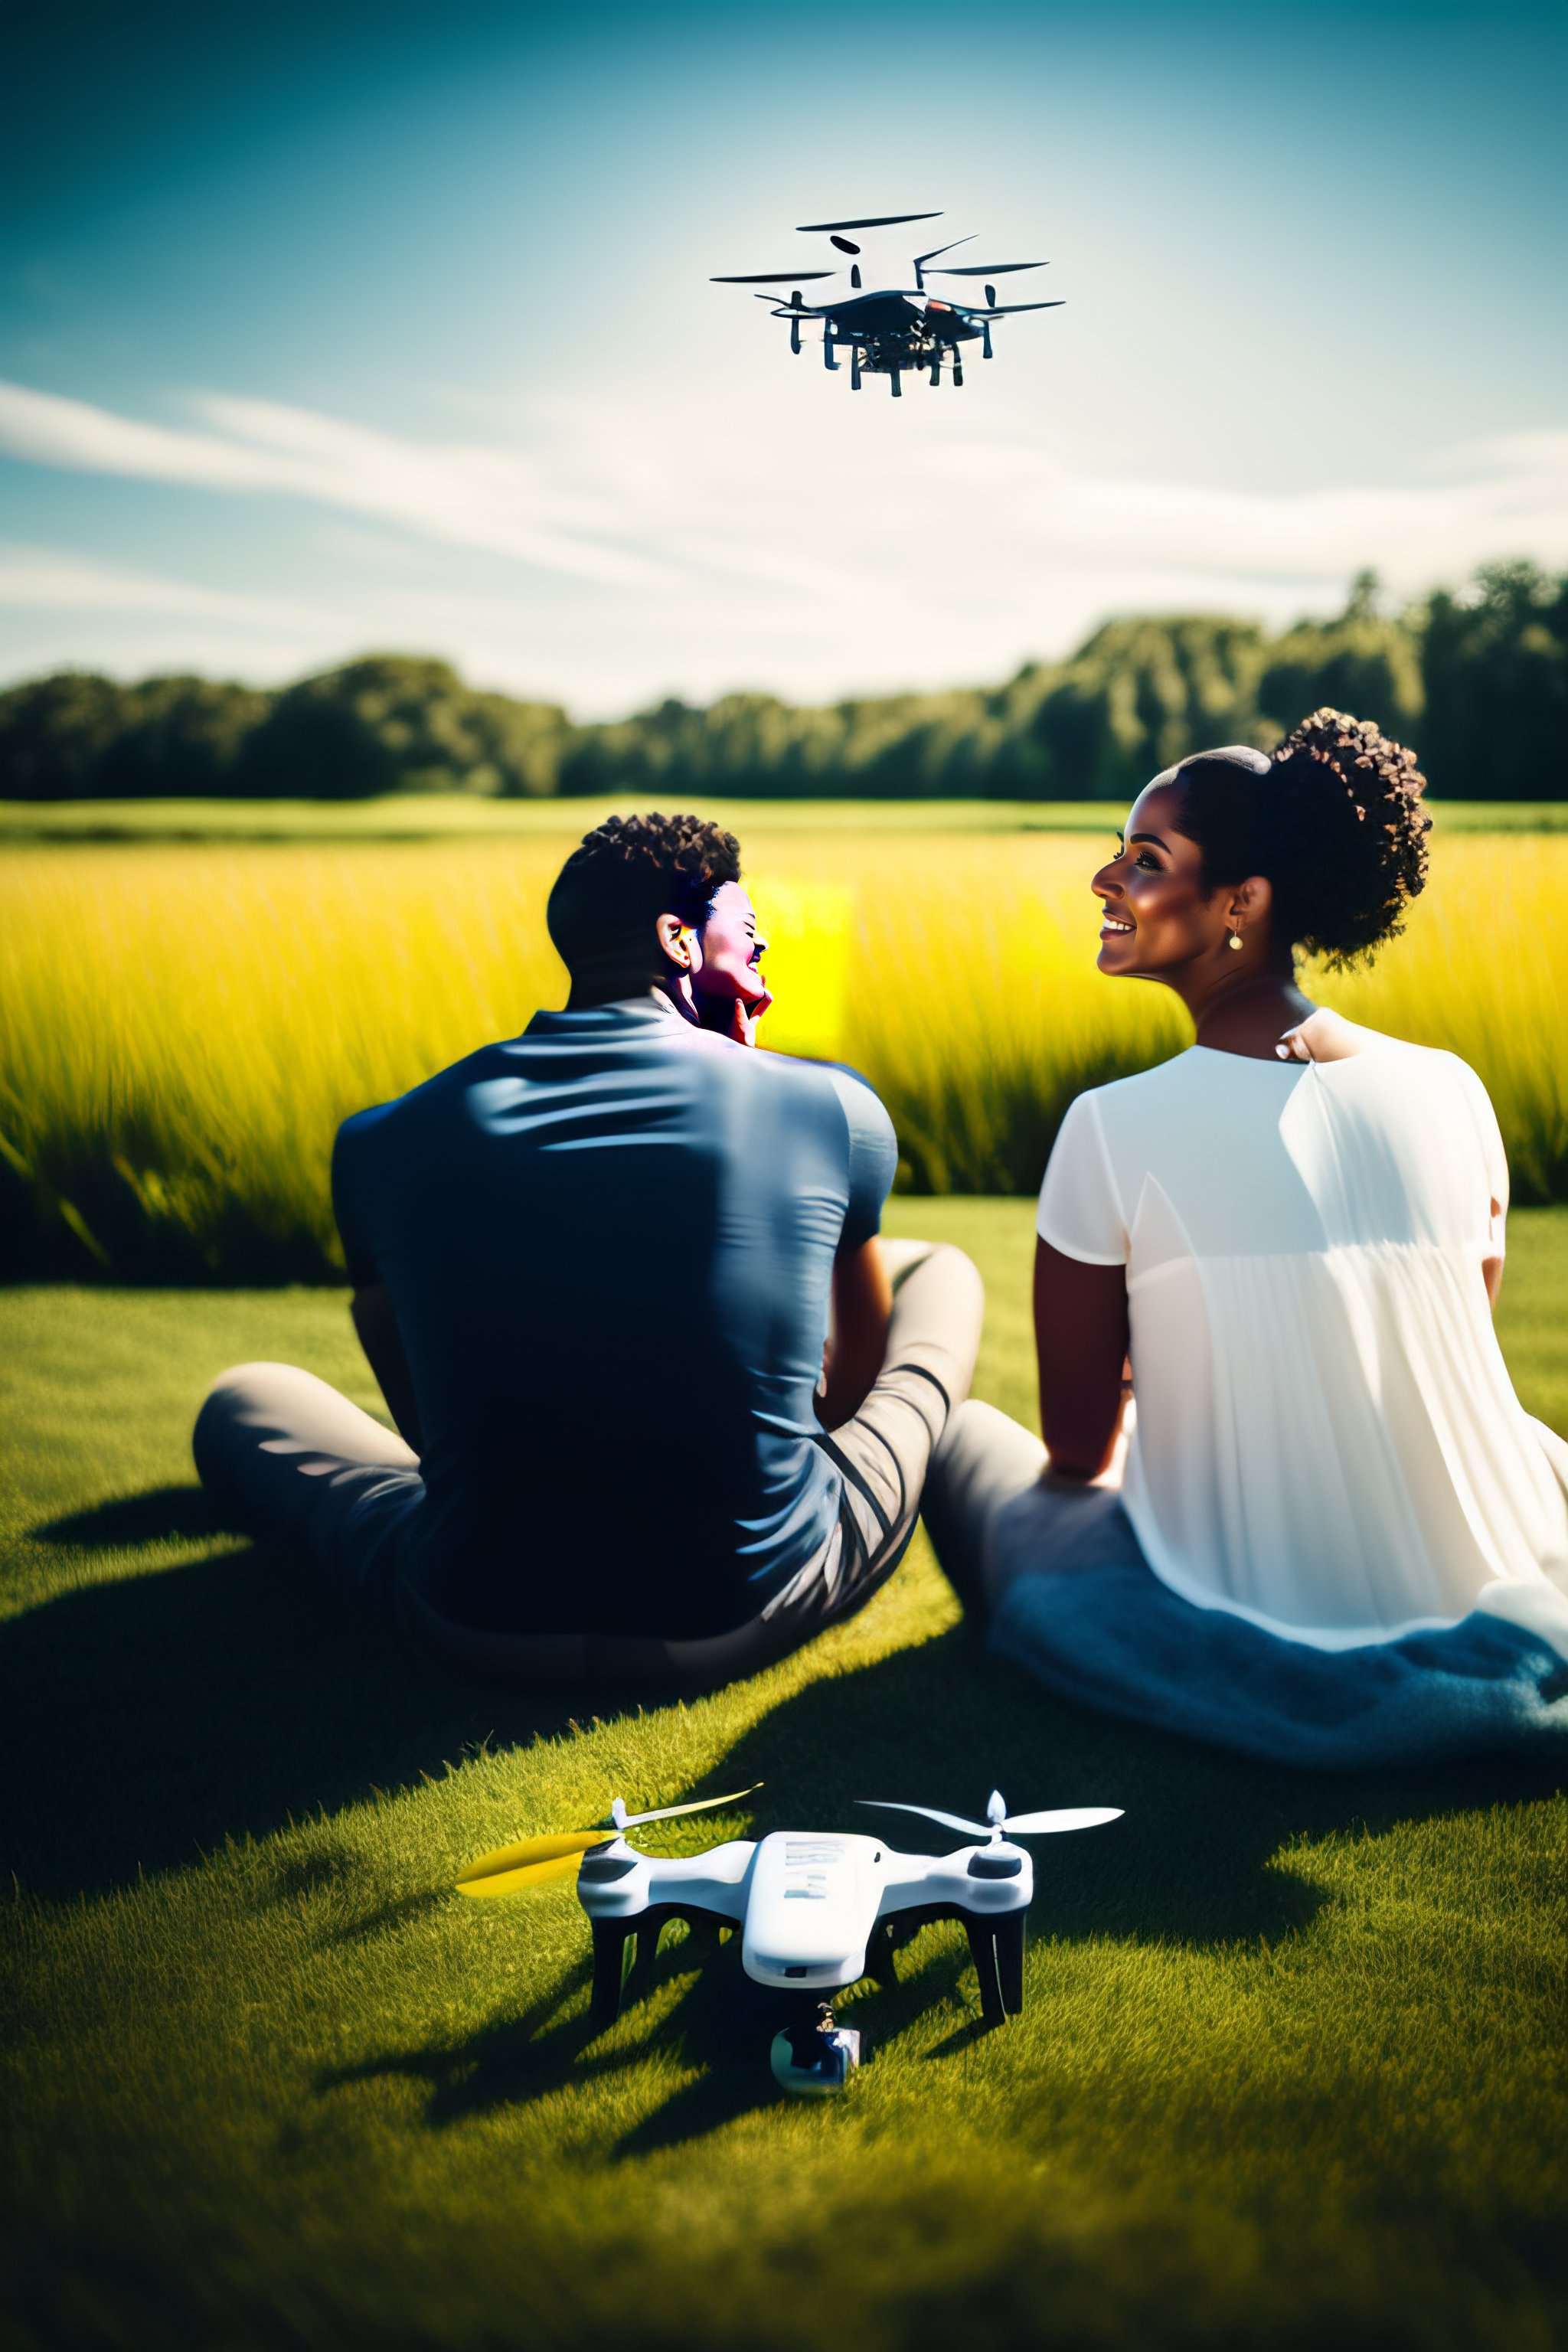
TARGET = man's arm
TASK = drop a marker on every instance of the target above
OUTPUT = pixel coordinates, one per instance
(376, 1320)
(1080, 1345)
(857, 1345)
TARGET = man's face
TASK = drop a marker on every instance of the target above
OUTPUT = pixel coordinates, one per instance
(732, 949)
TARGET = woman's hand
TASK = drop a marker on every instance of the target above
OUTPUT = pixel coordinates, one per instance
(733, 1017)
(745, 1013)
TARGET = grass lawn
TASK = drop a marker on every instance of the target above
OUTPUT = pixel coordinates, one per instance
(1291, 2068)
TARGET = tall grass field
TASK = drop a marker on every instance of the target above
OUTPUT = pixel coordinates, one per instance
(184, 1023)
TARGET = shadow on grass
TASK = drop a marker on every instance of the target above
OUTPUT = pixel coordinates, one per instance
(165, 1514)
(145, 1719)
(1196, 1860)
(704, 2011)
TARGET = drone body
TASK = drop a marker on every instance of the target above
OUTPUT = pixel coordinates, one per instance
(894, 331)
(808, 1906)
(816, 1910)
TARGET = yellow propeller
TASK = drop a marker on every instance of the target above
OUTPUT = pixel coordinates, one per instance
(535, 1861)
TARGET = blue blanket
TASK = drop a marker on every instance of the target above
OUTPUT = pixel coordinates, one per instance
(1117, 1639)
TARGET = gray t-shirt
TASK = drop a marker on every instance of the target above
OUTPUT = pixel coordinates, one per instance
(610, 1244)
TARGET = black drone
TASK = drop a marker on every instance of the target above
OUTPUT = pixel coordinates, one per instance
(883, 330)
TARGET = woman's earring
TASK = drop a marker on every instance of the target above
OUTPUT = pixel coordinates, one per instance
(1234, 942)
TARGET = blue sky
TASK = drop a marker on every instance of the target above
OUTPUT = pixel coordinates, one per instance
(332, 327)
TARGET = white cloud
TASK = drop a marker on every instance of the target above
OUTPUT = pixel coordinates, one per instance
(804, 540)
(485, 498)
(50, 579)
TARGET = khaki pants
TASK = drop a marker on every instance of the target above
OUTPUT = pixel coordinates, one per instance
(994, 1517)
(296, 1462)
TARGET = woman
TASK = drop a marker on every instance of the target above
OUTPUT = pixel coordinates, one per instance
(1331, 1533)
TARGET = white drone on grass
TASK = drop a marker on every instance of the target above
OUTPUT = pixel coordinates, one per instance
(808, 1904)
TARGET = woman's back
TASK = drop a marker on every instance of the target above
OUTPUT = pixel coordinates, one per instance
(1327, 1437)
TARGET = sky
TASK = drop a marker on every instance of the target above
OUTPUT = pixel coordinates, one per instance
(340, 328)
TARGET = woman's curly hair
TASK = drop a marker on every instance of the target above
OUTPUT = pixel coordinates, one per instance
(1334, 821)
(626, 872)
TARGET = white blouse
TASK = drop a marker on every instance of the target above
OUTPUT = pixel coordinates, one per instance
(1327, 1440)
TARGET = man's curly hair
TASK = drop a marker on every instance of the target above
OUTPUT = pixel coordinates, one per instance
(626, 872)
(1334, 821)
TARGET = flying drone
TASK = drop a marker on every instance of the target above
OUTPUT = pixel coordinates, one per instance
(813, 1907)
(883, 330)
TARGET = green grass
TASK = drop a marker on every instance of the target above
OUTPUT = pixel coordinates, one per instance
(1291, 2068)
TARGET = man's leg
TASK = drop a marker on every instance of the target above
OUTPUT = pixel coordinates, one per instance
(933, 1337)
(992, 1515)
(885, 1450)
(296, 1461)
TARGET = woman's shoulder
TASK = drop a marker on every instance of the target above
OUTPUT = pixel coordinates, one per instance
(1126, 1112)
(1150, 1092)
(1327, 1037)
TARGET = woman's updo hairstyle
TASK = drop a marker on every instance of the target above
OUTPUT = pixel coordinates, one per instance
(1332, 818)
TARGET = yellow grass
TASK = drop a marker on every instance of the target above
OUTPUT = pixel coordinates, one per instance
(182, 1026)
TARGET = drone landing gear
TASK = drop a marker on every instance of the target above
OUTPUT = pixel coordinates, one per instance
(625, 1951)
(935, 373)
(996, 1948)
(855, 369)
(957, 377)
(898, 387)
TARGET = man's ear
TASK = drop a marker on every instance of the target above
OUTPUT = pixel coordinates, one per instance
(678, 943)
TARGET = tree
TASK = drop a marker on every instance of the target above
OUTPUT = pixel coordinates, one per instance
(1478, 682)
(55, 733)
(1362, 663)
(1495, 664)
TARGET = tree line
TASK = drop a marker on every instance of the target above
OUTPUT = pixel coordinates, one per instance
(1474, 680)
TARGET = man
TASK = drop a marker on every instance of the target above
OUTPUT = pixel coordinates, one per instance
(593, 1268)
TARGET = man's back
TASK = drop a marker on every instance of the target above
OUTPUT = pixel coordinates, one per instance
(609, 1244)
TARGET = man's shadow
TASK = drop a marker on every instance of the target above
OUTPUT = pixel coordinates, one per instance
(1195, 1860)
(143, 1720)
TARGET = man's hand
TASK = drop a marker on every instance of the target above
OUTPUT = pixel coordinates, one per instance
(858, 1343)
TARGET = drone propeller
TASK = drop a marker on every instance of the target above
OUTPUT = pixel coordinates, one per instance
(985, 268)
(535, 1861)
(773, 277)
(1004, 310)
(883, 220)
(921, 258)
(999, 1823)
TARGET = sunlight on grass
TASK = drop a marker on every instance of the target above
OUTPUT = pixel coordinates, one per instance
(185, 1024)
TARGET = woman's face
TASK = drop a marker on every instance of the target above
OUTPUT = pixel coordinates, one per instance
(1157, 921)
(732, 949)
